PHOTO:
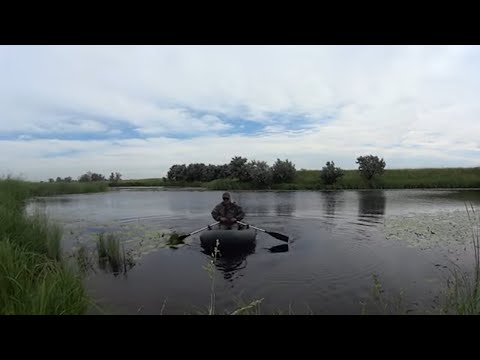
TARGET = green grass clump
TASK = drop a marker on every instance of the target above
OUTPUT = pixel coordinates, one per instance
(112, 255)
(34, 279)
(463, 296)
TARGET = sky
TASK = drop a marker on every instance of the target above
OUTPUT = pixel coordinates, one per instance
(138, 110)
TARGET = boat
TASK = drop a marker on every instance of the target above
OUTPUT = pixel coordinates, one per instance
(228, 238)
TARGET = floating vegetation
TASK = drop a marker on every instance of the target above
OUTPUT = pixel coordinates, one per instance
(442, 229)
(143, 239)
(173, 240)
(117, 249)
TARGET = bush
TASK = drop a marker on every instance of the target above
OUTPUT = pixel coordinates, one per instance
(196, 172)
(177, 173)
(260, 174)
(330, 173)
(283, 171)
(370, 166)
(238, 168)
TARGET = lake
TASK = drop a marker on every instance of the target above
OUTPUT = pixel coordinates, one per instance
(342, 245)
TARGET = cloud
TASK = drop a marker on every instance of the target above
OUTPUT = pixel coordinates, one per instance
(181, 121)
(119, 107)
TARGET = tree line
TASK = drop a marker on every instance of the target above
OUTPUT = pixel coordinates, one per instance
(257, 172)
(260, 174)
(89, 177)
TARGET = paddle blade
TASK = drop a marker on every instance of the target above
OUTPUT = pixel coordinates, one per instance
(279, 248)
(181, 237)
(278, 236)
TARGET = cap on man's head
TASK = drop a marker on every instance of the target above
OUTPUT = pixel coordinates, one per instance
(226, 195)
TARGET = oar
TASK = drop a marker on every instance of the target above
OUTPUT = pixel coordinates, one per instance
(181, 237)
(274, 234)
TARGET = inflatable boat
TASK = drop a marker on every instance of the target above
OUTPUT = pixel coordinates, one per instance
(230, 238)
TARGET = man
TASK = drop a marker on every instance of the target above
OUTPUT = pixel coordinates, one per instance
(227, 212)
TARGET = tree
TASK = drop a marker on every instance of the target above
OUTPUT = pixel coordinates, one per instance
(259, 173)
(211, 173)
(196, 172)
(97, 177)
(59, 179)
(223, 171)
(115, 177)
(238, 168)
(283, 171)
(370, 166)
(89, 176)
(85, 177)
(177, 173)
(330, 174)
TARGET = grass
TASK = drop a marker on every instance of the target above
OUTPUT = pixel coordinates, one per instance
(33, 284)
(156, 182)
(48, 189)
(210, 268)
(310, 180)
(83, 259)
(34, 279)
(463, 296)
(35, 233)
(394, 179)
(112, 255)
(227, 184)
(382, 304)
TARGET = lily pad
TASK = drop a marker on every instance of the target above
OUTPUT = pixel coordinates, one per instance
(452, 230)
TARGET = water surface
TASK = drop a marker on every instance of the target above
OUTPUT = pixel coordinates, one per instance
(338, 241)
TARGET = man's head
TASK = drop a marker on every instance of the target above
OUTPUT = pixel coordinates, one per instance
(226, 198)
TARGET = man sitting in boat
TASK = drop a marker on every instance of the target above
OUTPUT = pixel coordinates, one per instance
(227, 213)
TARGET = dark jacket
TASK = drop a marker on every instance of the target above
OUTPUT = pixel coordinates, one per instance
(232, 210)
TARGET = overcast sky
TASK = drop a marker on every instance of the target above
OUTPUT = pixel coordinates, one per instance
(66, 110)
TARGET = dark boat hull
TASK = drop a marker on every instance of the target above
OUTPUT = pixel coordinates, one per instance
(228, 238)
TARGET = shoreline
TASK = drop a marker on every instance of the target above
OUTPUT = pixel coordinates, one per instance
(190, 188)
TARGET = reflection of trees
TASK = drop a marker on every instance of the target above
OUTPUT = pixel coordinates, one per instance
(371, 202)
(284, 203)
(183, 201)
(261, 207)
(231, 258)
(330, 199)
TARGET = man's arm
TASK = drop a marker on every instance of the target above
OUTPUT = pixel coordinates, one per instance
(216, 213)
(240, 214)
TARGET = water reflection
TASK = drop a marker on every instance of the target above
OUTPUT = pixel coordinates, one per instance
(371, 205)
(462, 196)
(285, 204)
(278, 248)
(231, 259)
(329, 202)
(181, 202)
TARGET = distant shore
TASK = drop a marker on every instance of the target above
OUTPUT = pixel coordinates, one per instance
(435, 178)
(440, 178)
